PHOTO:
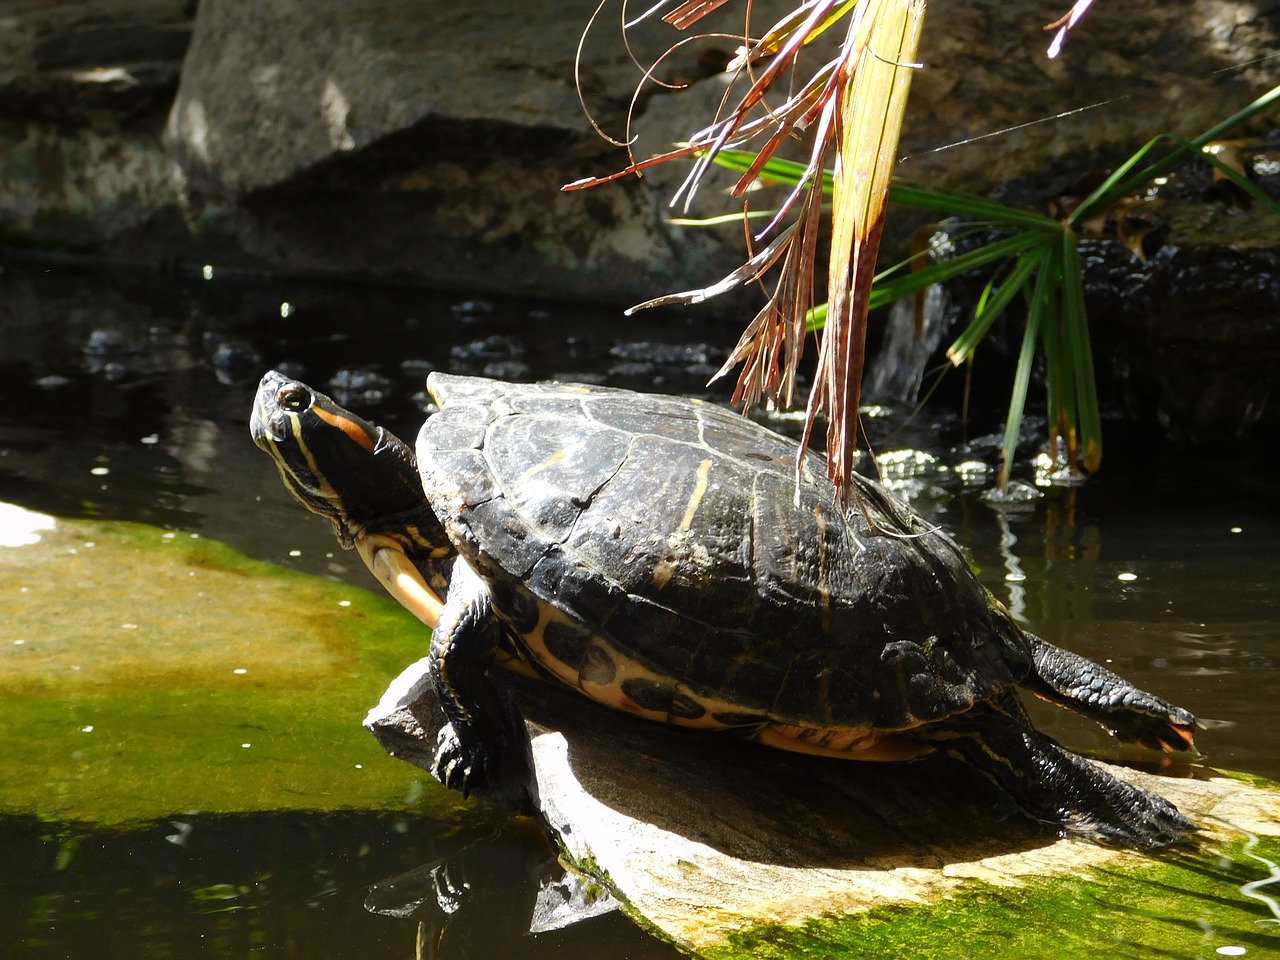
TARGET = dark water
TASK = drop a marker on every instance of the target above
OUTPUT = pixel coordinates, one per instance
(124, 394)
(286, 885)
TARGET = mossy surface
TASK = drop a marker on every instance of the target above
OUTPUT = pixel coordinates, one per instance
(145, 673)
(1192, 905)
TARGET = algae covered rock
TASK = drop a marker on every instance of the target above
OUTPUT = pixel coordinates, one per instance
(147, 672)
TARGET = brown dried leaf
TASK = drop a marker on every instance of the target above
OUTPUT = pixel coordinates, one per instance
(691, 12)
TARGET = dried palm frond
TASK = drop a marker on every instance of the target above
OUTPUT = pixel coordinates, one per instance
(849, 108)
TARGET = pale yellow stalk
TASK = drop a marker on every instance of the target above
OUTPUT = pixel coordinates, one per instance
(880, 60)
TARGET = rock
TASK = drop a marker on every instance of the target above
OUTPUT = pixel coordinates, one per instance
(1185, 331)
(73, 62)
(440, 136)
(705, 839)
(78, 82)
(1194, 337)
(300, 84)
(184, 656)
(1129, 72)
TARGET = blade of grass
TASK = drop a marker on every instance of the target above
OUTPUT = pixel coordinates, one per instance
(1066, 412)
(959, 204)
(1005, 248)
(1254, 109)
(1243, 182)
(1125, 180)
(989, 310)
(1051, 342)
(958, 233)
(1039, 296)
(904, 193)
(777, 169)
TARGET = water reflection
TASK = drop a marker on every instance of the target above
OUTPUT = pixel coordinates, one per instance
(282, 885)
(1013, 577)
(1267, 888)
(206, 886)
(505, 889)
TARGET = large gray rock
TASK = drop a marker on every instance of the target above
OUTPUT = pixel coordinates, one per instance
(79, 162)
(428, 142)
(439, 135)
(66, 61)
(270, 90)
(1131, 70)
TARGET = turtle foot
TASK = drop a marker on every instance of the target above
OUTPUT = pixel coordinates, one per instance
(454, 766)
(499, 775)
(1055, 786)
(1131, 817)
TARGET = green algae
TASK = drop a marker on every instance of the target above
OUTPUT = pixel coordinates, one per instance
(1190, 905)
(146, 673)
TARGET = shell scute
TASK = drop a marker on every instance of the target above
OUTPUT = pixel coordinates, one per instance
(665, 419)
(455, 428)
(685, 545)
(547, 477)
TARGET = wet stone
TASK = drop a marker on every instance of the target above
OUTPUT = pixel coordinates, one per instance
(112, 342)
(417, 368)
(631, 370)
(236, 362)
(666, 354)
(492, 348)
(471, 309)
(358, 387)
(507, 370)
(763, 838)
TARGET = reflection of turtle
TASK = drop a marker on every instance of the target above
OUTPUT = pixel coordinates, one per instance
(654, 554)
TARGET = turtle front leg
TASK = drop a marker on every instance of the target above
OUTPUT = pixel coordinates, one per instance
(1070, 680)
(387, 561)
(485, 746)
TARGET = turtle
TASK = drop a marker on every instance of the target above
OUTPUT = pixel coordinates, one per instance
(671, 558)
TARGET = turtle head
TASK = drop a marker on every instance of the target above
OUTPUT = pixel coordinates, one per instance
(338, 465)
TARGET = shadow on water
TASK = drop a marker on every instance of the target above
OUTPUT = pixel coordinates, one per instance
(124, 395)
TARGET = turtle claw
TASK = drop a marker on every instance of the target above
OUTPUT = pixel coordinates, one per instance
(452, 766)
(497, 776)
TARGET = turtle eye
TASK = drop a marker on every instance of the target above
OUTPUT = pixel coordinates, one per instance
(294, 398)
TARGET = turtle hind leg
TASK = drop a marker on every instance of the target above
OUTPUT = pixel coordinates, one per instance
(1073, 681)
(484, 748)
(1053, 785)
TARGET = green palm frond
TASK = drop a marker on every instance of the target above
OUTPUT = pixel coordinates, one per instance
(1035, 259)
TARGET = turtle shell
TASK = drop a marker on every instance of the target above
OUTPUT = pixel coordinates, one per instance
(657, 553)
